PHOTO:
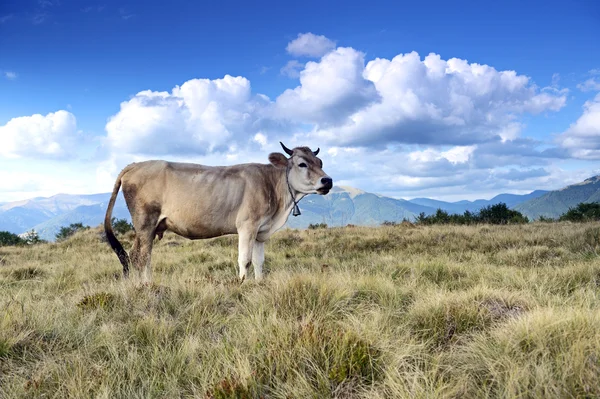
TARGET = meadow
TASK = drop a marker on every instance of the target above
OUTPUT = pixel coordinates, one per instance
(386, 312)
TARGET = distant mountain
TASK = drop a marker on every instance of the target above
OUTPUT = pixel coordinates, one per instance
(511, 200)
(348, 205)
(555, 203)
(90, 215)
(20, 219)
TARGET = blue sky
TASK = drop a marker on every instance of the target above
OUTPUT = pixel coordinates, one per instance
(315, 73)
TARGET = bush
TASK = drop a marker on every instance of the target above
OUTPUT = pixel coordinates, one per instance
(317, 226)
(10, 239)
(66, 232)
(501, 214)
(32, 237)
(582, 213)
(121, 226)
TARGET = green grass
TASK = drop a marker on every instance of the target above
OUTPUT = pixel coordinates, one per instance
(390, 312)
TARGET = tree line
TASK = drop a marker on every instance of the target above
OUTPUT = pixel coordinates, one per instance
(501, 214)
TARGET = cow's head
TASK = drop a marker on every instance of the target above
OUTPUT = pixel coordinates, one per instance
(305, 170)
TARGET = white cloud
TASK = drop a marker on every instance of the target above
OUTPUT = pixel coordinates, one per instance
(292, 69)
(582, 138)
(430, 172)
(261, 139)
(310, 45)
(329, 91)
(198, 117)
(10, 75)
(24, 178)
(50, 136)
(433, 101)
(458, 154)
(592, 84)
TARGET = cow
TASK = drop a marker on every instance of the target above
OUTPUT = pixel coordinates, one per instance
(252, 200)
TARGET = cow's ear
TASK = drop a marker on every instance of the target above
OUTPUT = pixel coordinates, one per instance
(278, 160)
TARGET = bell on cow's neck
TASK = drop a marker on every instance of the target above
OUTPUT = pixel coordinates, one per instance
(296, 211)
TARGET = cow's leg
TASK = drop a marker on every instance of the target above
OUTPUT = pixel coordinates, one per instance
(258, 258)
(246, 242)
(141, 253)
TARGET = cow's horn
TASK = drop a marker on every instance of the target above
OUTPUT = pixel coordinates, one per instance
(316, 152)
(287, 150)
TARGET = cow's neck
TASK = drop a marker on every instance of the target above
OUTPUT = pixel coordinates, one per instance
(287, 193)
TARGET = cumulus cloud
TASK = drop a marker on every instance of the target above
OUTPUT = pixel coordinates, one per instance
(592, 84)
(50, 136)
(10, 75)
(450, 173)
(405, 172)
(310, 45)
(433, 101)
(292, 69)
(329, 91)
(198, 117)
(582, 138)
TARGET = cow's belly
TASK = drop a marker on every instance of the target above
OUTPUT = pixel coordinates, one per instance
(194, 218)
(194, 223)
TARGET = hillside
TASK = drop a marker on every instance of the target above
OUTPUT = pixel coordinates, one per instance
(387, 312)
(347, 205)
(555, 203)
(90, 215)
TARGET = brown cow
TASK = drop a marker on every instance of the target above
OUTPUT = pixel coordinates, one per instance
(196, 201)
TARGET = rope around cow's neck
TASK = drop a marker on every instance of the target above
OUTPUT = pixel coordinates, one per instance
(296, 210)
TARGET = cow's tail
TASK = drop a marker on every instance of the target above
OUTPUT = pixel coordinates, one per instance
(110, 235)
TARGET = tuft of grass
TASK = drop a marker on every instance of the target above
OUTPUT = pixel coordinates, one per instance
(448, 318)
(229, 388)
(99, 300)
(26, 273)
(546, 353)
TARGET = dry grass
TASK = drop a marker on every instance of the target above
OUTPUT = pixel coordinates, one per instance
(401, 311)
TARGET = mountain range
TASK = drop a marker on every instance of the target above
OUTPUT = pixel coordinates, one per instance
(343, 205)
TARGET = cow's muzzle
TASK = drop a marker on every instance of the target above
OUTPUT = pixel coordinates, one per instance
(327, 184)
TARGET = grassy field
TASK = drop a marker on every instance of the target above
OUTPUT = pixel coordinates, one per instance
(389, 312)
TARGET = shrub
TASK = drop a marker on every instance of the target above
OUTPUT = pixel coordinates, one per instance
(501, 214)
(121, 226)
(317, 226)
(10, 239)
(66, 232)
(582, 213)
(32, 237)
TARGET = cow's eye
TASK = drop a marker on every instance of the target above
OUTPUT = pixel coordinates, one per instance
(302, 165)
